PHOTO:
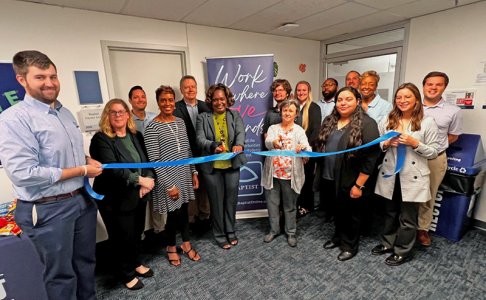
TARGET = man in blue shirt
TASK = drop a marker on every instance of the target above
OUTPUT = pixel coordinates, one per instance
(138, 101)
(41, 149)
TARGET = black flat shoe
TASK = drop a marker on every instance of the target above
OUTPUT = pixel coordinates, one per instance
(147, 274)
(380, 249)
(137, 286)
(396, 260)
(330, 245)
(345, 255)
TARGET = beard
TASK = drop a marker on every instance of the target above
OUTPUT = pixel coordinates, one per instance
(329, 95)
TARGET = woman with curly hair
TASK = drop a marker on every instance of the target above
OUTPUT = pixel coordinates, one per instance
(343, 177)
(220, 131)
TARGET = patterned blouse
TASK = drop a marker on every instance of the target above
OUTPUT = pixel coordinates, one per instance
(166, 142)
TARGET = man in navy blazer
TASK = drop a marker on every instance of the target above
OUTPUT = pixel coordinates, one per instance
(188, 109)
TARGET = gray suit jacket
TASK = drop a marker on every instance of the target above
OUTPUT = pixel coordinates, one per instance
(206, 136)
(414, 176)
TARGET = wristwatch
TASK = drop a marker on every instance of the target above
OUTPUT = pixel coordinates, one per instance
(360, 187)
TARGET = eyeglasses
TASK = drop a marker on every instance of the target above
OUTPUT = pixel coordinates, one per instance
(115, 113)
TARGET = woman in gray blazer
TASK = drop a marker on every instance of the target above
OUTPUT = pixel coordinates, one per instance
(411, 185)
(220, 131)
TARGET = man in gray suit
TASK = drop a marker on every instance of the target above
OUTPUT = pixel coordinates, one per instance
(188, 109)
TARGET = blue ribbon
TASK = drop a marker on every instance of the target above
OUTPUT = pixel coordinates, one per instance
(401, 151)
(226, 156)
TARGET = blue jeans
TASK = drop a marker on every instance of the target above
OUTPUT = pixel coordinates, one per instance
(64, 235)
(282, 190)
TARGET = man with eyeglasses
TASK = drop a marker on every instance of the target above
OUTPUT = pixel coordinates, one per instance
(41, 149)
(329, 89)
(138, 101)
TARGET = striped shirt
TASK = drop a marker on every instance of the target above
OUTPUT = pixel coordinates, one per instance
(166, 142)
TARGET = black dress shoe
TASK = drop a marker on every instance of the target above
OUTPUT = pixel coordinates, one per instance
(345, 255)
(330, 244)
(380, 249)
(147, 274)
(396, 260)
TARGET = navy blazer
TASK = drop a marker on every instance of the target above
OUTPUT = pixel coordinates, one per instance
(182, 112)
(120, 195)
(206, 137)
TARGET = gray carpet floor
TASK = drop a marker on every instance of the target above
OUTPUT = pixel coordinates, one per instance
(256, 270)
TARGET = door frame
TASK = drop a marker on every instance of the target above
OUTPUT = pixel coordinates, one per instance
(107, 46)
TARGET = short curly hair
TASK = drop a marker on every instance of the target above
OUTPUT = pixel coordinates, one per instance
(230, 98)
(281, 82)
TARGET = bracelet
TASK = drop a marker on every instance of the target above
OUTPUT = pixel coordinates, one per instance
(360, 187)
(85, 170)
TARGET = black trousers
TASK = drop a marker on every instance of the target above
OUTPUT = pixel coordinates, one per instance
(347, 221)
(401, 222)
(327, 197)
(124, 235)
(177, 220)
(306, 197)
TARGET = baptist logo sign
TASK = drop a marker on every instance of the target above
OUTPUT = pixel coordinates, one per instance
(250, 179)
(3, 292)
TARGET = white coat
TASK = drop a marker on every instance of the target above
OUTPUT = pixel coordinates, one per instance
(414, 176)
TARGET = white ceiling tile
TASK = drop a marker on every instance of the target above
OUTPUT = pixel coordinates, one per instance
(284, 12)
(171, 10)
(383, 4)
(422, 7)
(336, 15)
(318, 19)
(358, 24)
(464, 2)
(222, 13)
(111, 6)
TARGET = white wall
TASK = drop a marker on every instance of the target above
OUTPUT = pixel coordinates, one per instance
(453, 42)
(71, 38)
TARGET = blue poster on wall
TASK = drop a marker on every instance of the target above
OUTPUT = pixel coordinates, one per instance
(11, 92)
(249, 78)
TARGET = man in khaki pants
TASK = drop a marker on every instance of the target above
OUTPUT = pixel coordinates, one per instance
(449, 120)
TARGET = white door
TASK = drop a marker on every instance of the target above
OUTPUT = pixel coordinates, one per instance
(149, 66)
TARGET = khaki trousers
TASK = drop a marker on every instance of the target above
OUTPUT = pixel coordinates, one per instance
(438, 167)
(199, 208)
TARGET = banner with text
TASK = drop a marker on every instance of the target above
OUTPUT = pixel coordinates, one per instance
(249, 78)
(11, 92)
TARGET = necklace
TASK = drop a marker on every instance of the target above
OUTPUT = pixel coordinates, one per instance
(341, 124)
(221, 129)
(176, 135)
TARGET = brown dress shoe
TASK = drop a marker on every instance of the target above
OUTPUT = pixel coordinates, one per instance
(423, 238)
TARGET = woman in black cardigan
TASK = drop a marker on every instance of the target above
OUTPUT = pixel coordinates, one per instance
(126, 190)
(343, 177)
(310, 114)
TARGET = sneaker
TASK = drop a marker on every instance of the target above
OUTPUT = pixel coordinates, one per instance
(423, 238)
(292, 240)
